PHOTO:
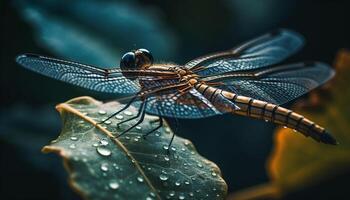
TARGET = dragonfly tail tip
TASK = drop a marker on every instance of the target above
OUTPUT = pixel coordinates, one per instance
(327, 138)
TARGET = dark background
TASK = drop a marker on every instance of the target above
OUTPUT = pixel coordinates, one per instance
(186, 29)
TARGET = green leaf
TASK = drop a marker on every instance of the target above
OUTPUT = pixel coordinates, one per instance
(102, 166)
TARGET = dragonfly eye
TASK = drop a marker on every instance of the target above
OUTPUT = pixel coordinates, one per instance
(128, 61)
(144, 58)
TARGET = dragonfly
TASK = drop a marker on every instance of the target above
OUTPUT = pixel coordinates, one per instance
(246, 80)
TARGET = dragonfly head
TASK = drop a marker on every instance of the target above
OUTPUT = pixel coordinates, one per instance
(138, 59)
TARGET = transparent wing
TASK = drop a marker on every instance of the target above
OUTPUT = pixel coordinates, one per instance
(263, 51)
(190, 104)
(87, 76)
(277, 85)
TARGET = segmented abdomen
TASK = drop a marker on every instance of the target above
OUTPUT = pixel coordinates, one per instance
(269, 112)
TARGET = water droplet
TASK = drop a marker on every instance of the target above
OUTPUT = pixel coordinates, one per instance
(157, 134)
(72, 146)
(165, 147)
(191, 194)
(103, 142)
(114, 185)
(138, 127)
(177, 183)
(149, 198)
(104, 167)
(119, 117)
(183, 149)
(166, 158)
(167, 129)
(127, 137)
(173, 148)
(187, 182)
(152, 194)
(107, 122)
(81, 121)
(136, 139)
(181, 196)
(213, 174)
(163, 177)
(102, 112)
(199, 165)
(95, 145)
(193, 178)
(103, 151)
(129, 113)
(172, 193)
(140, 179)
(74, 138)
(187, 143)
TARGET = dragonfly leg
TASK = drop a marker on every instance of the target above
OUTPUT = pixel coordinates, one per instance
(137, 115)
(156, 128)
(142, 112)
(124, 108)
(173, 134)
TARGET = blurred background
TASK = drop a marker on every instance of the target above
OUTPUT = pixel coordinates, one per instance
(99, 31)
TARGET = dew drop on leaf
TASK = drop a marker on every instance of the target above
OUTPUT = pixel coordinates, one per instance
(140, 179)
(114, 185)
(129, 113)
(181, 196)
(103, 142)
(171, 193)
(102, 112)
(177, 183)
(152, 194)
(163, 177)
(104, 167)
(72, 146)
(73, 138)
(119, 117)
(103, 151)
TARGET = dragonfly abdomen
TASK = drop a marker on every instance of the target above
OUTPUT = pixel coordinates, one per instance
(270, 112)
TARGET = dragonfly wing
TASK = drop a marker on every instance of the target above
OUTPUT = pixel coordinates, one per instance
(190, 104)
(278, 84)
(87, 76)
(265, 50)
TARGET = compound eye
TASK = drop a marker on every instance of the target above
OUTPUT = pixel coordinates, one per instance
(128, 61)
(144, 57)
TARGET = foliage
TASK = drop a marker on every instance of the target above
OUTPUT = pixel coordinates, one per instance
(102, 166)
